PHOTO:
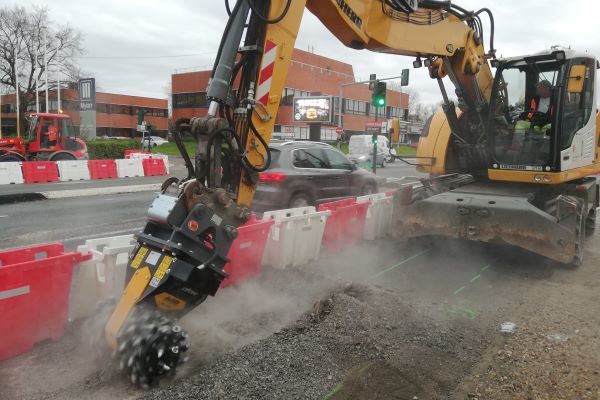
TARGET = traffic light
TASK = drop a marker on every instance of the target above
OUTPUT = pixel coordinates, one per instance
(378, 94)
(374, 138)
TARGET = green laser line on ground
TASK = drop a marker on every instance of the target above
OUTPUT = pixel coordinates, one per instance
(377, 275)
(333, 391)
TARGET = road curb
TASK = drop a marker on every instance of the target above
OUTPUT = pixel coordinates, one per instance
(62, 194)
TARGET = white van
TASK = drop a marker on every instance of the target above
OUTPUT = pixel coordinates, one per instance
(360, 149)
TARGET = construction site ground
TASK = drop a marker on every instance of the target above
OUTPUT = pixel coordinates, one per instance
(383, 320)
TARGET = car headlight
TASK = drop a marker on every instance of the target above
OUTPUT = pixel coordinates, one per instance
(362, 157)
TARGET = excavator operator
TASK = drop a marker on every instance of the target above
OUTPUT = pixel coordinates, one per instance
(541, 108)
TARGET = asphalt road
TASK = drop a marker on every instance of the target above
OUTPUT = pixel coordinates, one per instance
(71, 220)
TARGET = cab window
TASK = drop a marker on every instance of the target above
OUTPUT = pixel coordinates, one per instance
(66, 128)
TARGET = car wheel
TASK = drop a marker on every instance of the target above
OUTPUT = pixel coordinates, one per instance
(154, 145)
(368, 189)
(300, 200)
(383, 164)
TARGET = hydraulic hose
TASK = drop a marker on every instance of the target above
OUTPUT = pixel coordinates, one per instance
(265, 19)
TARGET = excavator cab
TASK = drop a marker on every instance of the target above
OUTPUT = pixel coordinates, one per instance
(556, 138)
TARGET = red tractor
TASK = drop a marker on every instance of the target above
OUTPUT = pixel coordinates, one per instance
(50, 138)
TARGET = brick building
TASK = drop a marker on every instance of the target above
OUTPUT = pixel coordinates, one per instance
(308, 73)
(116, 114)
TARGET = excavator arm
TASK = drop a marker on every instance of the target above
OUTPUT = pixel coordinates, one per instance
(183, 249)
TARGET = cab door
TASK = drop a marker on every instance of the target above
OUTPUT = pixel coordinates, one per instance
(34, 137)
(578, 127)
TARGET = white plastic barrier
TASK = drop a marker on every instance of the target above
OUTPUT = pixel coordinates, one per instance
(295, 237)
(379, 215)
(129, 168)
(103, 276)
(10, 172)
(73, 170)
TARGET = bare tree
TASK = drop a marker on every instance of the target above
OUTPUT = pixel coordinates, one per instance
(22, 35)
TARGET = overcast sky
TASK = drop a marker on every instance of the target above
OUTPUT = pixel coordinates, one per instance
(149, 28)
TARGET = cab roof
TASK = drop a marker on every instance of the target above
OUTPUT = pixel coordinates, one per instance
(50, 115)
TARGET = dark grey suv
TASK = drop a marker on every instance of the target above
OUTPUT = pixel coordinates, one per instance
(309, 173)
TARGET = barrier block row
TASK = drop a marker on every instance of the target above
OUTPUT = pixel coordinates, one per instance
(40, 288)
(76, 170)
(34, 295)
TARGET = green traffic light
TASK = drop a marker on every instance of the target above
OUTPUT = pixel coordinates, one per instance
(381, 102)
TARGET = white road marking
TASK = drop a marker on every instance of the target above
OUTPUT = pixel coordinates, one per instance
(3, 216)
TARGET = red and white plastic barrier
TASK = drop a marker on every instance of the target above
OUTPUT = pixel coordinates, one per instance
(135, 165)
(40, 286)
(378, 221)
(34, 295)
(73, 170)
(40, 171)
(296, 236)
(247, 251)
(10, 173)
(129, 168)
(346, 223)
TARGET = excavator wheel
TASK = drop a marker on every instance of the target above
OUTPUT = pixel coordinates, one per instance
(150, 346)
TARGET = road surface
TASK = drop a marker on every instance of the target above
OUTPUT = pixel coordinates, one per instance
(72, 220)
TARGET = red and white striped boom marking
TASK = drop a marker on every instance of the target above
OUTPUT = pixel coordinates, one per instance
(266, 72)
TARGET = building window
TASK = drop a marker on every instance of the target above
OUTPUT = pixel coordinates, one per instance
(357, 107)
(120, 109)
(190, 100)
(102, 108)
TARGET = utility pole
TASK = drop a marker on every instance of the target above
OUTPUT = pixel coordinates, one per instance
(46, 69)
(17, 94)
(37, 92)
(58, 106)
(375, 144)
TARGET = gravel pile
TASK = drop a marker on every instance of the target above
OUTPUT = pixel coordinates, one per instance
(364, 338)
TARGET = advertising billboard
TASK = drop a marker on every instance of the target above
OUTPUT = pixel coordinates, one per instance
(313, 109)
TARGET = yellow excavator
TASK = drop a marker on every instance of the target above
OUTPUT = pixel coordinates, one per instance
(509, 161)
